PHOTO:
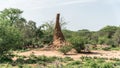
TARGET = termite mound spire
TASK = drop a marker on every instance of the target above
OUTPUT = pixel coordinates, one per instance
(58, 37)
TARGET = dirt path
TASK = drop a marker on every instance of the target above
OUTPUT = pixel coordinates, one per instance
(95, 53)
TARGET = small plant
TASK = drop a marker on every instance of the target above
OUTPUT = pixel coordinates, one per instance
(20, 66)
(106, 48)
(74, 63)
(115, 59)
(107, 65)
(65, 49)
(5, 58)
(20, 61)
(85, 58)
(68, 59)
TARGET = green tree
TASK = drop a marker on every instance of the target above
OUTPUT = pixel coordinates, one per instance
(28, 29)
(107, 31)
(11, 14)
(85, 33)
(10, 38)
(116, 37)
(94, 38)
(69, 34)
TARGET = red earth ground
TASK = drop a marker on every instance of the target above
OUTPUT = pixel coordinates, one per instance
(95, 53)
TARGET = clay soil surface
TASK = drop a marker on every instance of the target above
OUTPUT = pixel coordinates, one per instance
(95, 53)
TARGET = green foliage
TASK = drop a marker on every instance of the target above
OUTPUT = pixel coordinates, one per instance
(102, 40)
(110, 42)
(108, 31)
(66, 48)
(12, 15)
(6, 58)
(12, 20)
(88, 62)
(69, 34)
(116, 37)
(106, 48)
(68, 59)
(96, 63)
(84, 33)
(10, 38)
(78, 43)
(111, 48)
(94, 38)
(107, 65)
(74, 63)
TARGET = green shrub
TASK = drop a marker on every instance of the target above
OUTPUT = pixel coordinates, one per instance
(93, 65)
(46, 59)
(68, 59)
(20, 61)
(74, 63)
(100, 60)
(20, 66)
(78, 43)
(10, 38)
(85, 58)
(115, 48)
(6, 58)
(106, 48)
(65, 49)
(30, 61)
(106, 65)
(115, 59)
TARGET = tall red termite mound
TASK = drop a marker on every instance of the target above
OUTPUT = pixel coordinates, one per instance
(58, 37)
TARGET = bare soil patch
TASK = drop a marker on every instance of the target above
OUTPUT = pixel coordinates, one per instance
(95, 53)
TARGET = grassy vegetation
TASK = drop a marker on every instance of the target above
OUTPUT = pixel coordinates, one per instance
(107, 48)
(56, 62)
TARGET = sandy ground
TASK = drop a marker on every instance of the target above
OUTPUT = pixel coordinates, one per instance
(95, 53)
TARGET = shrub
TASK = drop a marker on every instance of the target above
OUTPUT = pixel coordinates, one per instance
(10, 38)
(106, 65)
(45, 59)
(68, 59)
(85, 58)
(65, 49)
(74, 63)
(115, 59)
(20, 66)
(20, 61)
(5, 58)
(106, 48)
(78, 43)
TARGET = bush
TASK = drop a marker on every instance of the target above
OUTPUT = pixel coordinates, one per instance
(106, 65)
(85, 58)
(74, 63)
(10, 38)
(20, 61)
(106, 48)
(89, 62)
(5, 58)
(65, 49)
(78, 43)
(68, 59)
